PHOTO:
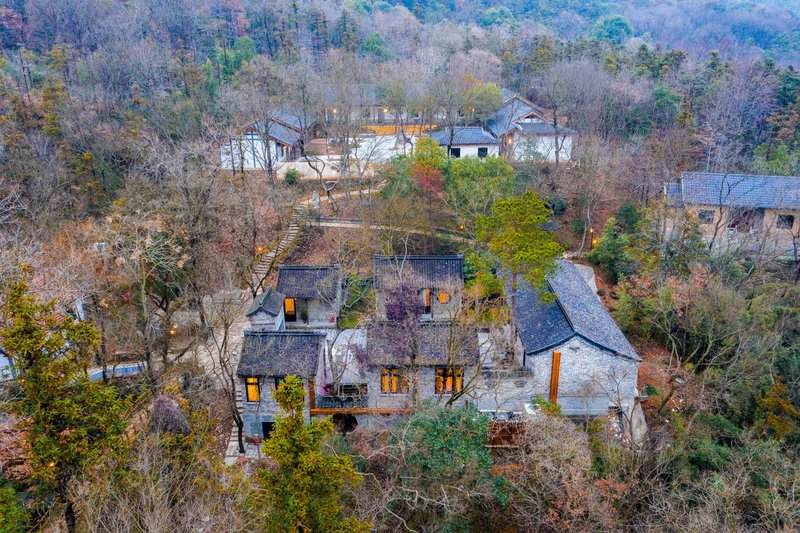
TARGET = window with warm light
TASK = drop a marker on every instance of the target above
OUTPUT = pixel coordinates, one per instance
(393, 381)
(252, 389)
(426, 300)
(290, 309)
(444, 297)
(449, 379)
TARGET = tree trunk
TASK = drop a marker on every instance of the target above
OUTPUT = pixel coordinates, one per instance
(69, 516)
(239, 431)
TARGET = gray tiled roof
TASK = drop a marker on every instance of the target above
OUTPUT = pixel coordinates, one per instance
(541, 128)
(284, 135)
(576, 311)
(673, 194)
(289, 118)
(389, 343)
(735, 190)
(465, 135)
(280, 353)
(431, 271)
(310, 282)
(512, 110)
(270, 302)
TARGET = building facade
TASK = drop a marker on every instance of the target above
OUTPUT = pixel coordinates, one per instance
(739, 212)
(568, 350)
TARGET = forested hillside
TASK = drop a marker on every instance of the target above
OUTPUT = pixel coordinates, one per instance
(126, 242)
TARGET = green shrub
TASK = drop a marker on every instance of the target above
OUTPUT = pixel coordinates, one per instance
(548, 408)
(292, 176)
(611, 252)
(578, 226)
(13, 517)
(628, 217)
(556, 204)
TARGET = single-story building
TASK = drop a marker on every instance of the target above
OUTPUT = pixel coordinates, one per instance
(468, 141)
(312, 295)
(266, 311)
(579, 357)
(740, 211)
(283, 132)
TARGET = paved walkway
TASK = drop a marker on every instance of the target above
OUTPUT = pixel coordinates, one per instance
(354, 223)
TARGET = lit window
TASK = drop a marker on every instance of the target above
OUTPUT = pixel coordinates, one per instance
(253, 389)
(393, 381)
(449, 379)
(785, 222)
(426, 299)
(444, 297)
(290, 310)
(706, 216)
(278, 381)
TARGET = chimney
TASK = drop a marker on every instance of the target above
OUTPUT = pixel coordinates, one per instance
(554, 370)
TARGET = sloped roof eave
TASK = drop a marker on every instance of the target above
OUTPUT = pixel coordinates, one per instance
(585, 339)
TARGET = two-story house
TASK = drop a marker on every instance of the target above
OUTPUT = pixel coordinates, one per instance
(526, 132)
(267, 357)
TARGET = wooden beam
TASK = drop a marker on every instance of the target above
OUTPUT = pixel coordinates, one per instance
(555, 368)
(312, 399)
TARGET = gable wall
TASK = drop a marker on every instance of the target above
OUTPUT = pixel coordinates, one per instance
(589, 377)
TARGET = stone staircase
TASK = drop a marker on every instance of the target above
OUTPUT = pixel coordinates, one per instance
(232, 451)
(268, 260)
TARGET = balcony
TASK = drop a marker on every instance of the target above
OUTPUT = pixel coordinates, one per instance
(344, 396)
